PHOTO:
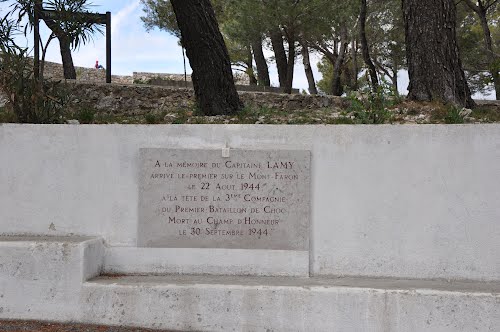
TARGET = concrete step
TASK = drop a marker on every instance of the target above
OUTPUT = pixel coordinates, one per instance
(41, 276)
(230, 303)
(56, 279)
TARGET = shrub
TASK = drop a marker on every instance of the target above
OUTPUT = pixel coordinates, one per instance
(151, 118)
(86, 116)
(32, 101)
(453, 116)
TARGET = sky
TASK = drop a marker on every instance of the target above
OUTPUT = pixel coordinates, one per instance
(135, 49)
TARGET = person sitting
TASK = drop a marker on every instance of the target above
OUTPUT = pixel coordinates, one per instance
(97, 65)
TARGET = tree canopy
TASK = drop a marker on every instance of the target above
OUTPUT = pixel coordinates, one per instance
(286, 30)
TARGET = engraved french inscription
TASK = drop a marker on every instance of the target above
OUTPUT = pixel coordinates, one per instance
(253, 199)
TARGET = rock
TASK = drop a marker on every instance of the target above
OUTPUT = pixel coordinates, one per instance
(170, 117)
(323, 102)
(3, 100)
(73, 122)
(465, 112)
(107, 102)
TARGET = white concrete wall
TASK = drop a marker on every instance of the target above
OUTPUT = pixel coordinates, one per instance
(393, 201)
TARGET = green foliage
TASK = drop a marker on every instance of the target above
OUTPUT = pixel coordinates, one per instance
(231, 18)
(325, 67)
(86, 116)
(29, 100)
(317, 23)
(79, 72)
(151, 118)
(447, 114)
(252, 114)
(475, 57)
(453, 116)
(6, 116)
(69, 24)
(183, 116)
(385, 32)
(375, 109)
(160, 14)
(486, 114)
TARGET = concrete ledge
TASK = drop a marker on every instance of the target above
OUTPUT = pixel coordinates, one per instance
(43, 278)
(39, 276)
(38, 258)
(205, 303)
(131, 260)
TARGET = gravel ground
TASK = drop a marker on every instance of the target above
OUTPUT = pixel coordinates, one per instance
(33, 326)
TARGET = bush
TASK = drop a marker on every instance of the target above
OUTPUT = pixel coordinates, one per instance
(32, 101)
(453, 116)
(86, 116)
(151, 118)
(6, 116)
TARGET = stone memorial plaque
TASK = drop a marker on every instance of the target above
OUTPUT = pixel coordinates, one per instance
(248, 200)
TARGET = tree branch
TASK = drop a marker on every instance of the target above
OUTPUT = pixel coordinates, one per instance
(473, 6)
(490, 4)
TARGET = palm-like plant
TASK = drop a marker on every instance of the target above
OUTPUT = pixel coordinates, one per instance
(68, 21)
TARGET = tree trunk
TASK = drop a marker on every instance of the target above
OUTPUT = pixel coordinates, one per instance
(44, 53)
(249, 63)
(212, 75)
(260, 62)
(394, 80)
(364, 45)
(482, 12)
(434, 64)
(290, 64)
(493, 68)
(394, 77)
(67, 59)
(337, 89)
(308, 70)
(64, 48)
(355, 69)
(279, 55)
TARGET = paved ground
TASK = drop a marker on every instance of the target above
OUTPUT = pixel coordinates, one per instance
(31, 326)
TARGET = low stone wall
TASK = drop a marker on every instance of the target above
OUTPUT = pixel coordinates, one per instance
(179, 81)
(145, 77)
(139, 99)
(54, 70)
(239, 87)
